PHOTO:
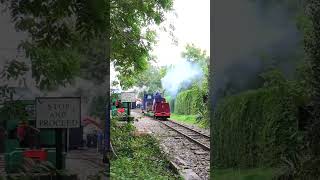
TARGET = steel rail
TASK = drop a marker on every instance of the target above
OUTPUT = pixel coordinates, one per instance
(205, 147)
(172, 121)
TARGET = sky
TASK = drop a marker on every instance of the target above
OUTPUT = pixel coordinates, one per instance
(192, 25)
(9, 38)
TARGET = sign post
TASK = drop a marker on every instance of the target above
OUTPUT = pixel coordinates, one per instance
(128, 97)
(68, 137)
(106, 156)
(59, 163)
(58, 113)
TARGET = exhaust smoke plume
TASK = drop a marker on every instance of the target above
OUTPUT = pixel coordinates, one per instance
(243, 33)
(180, 75)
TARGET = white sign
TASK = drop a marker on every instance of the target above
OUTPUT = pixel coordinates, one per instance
(58, 112)
(128, 97)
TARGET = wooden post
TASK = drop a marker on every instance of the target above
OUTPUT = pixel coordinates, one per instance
(106, 156)
(129, 107)
(68, 139)
(58, 135)
(97, 141)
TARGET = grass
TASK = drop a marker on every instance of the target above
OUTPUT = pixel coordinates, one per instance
(138, 157)
(247, 174)
(188, 119)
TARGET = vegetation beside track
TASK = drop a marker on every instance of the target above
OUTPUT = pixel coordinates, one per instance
(192, 100)
(187, 102)
(263, 124)
(138, 157)
(268, 127)
(249, 174)
(190, 108)
(188, 119)
(260, 128)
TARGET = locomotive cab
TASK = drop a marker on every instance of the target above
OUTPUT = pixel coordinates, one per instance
(156, 105)
(161, 108)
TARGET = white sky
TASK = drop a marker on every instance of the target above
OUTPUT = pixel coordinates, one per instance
(192, 25)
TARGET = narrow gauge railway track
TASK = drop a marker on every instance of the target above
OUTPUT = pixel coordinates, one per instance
(196, 137)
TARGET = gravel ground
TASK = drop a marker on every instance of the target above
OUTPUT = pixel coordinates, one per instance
(204, 131)
(181, 151)
(84, 163)
(2, 164)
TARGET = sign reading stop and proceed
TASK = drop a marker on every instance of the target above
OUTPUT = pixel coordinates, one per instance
(54, 112)
(128, 97)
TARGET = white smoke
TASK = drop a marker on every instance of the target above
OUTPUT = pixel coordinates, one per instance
(180, 75)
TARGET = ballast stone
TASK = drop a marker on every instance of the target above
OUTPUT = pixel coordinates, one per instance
(188, 174)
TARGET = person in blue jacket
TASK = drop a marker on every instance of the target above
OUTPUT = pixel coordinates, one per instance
(157, 97)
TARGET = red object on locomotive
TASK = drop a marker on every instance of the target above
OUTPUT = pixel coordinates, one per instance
(160, 108)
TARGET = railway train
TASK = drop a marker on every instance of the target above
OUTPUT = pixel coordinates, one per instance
(155, 105)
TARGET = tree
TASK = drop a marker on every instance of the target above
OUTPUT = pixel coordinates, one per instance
(150, 78)
(196, 55)
(61, 30)
(312, 48)
(131, 37)
(55, 30)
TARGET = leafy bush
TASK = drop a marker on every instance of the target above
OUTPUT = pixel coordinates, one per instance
(99, 176)
(248, 174)
(187, 102)
(192, 102)
(255, 128)
(171, 102)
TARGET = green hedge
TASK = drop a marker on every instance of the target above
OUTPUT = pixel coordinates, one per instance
(254, 128)
(171, 101)
(188, 102)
